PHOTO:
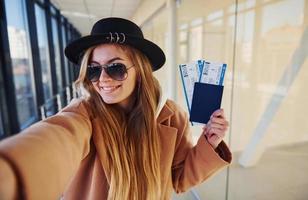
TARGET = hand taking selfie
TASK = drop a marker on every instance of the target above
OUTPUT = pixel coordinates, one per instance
(216, 128)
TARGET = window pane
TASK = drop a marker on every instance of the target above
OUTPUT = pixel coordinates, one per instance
(21, 60)
(57, 53)
(263, 92)
(269, 105)
(64, 42)
(44, 50)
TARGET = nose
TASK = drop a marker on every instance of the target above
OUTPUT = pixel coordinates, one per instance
(104, 76)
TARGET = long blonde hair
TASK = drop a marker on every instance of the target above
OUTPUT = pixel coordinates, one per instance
(131, 139)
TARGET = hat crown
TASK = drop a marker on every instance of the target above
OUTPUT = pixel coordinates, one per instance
(115, 30)
(116, 25)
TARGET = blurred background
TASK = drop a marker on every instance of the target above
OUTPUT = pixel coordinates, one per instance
(263, 42)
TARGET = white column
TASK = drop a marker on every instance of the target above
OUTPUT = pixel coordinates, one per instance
(172, 49)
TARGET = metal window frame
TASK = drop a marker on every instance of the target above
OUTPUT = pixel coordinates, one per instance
(70, 35)
(76, 68)
(51, 48)
(65, 25)
(59, 18)
(35, 55)
(52, 63)
(45, 5)
(68, 83)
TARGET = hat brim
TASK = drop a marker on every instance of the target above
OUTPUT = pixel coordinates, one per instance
(75, 50)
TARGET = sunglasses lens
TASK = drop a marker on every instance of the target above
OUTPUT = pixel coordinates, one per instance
(93, 73)
(116, 71)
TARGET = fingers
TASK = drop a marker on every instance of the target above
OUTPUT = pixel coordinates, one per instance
(217, 126)
(218, 129)
(215, 122)
(219, 113)
(221, 121)
(215, 131)
(215, 138)
(218, 117)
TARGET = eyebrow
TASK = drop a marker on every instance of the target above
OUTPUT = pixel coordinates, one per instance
(109, 61)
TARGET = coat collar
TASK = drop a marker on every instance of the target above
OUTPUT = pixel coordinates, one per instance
(163, 110)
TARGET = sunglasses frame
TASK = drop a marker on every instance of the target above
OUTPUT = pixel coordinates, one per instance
(105, 68)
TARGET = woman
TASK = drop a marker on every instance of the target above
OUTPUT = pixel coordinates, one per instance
(120, 139)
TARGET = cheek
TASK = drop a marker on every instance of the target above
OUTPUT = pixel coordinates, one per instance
(129, 87)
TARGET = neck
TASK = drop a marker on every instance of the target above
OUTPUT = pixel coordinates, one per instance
(128, 104)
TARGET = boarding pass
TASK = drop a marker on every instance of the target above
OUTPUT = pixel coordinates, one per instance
(200, 71)
(190, 73)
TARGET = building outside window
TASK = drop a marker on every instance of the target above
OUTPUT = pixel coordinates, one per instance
(20, 52)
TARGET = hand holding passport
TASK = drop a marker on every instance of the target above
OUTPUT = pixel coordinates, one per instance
(203, 87)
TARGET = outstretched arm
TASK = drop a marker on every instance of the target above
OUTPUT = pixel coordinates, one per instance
(41, 160)
(8, 183)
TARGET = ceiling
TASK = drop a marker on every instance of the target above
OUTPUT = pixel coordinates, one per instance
(84, 13)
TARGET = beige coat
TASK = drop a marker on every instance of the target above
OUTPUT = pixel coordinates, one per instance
(62, 156)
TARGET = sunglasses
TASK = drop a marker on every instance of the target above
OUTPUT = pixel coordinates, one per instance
(116, 71)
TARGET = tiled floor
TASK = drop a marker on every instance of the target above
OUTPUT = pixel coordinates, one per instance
(281, 174)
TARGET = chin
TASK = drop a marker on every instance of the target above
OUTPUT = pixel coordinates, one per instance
(110, 101)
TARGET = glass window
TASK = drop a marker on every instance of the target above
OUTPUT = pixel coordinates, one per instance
(20, 52)
(57, 53)
(44, 50)
(269, 127)
(156, 31)
(64, 42)
(195, 42)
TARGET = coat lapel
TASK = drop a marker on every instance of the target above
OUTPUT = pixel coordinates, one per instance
(168, 136)
(163, 111)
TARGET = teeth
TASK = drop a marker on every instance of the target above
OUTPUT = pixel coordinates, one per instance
(109, 88)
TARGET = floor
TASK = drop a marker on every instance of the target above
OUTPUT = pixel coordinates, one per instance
(282, 173)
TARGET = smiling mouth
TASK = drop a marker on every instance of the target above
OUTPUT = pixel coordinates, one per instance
(110, 89)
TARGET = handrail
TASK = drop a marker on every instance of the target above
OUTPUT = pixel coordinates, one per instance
(44, 107)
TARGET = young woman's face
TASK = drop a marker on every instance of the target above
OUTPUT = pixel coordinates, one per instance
(111, 90)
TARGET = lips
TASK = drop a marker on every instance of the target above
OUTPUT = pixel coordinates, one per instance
(109, 89)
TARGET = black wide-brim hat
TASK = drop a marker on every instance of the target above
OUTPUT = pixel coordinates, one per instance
(117, 31)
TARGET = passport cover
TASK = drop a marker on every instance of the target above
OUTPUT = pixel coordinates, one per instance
(206, 99)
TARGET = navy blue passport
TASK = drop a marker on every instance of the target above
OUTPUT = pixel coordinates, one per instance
(206, 99)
